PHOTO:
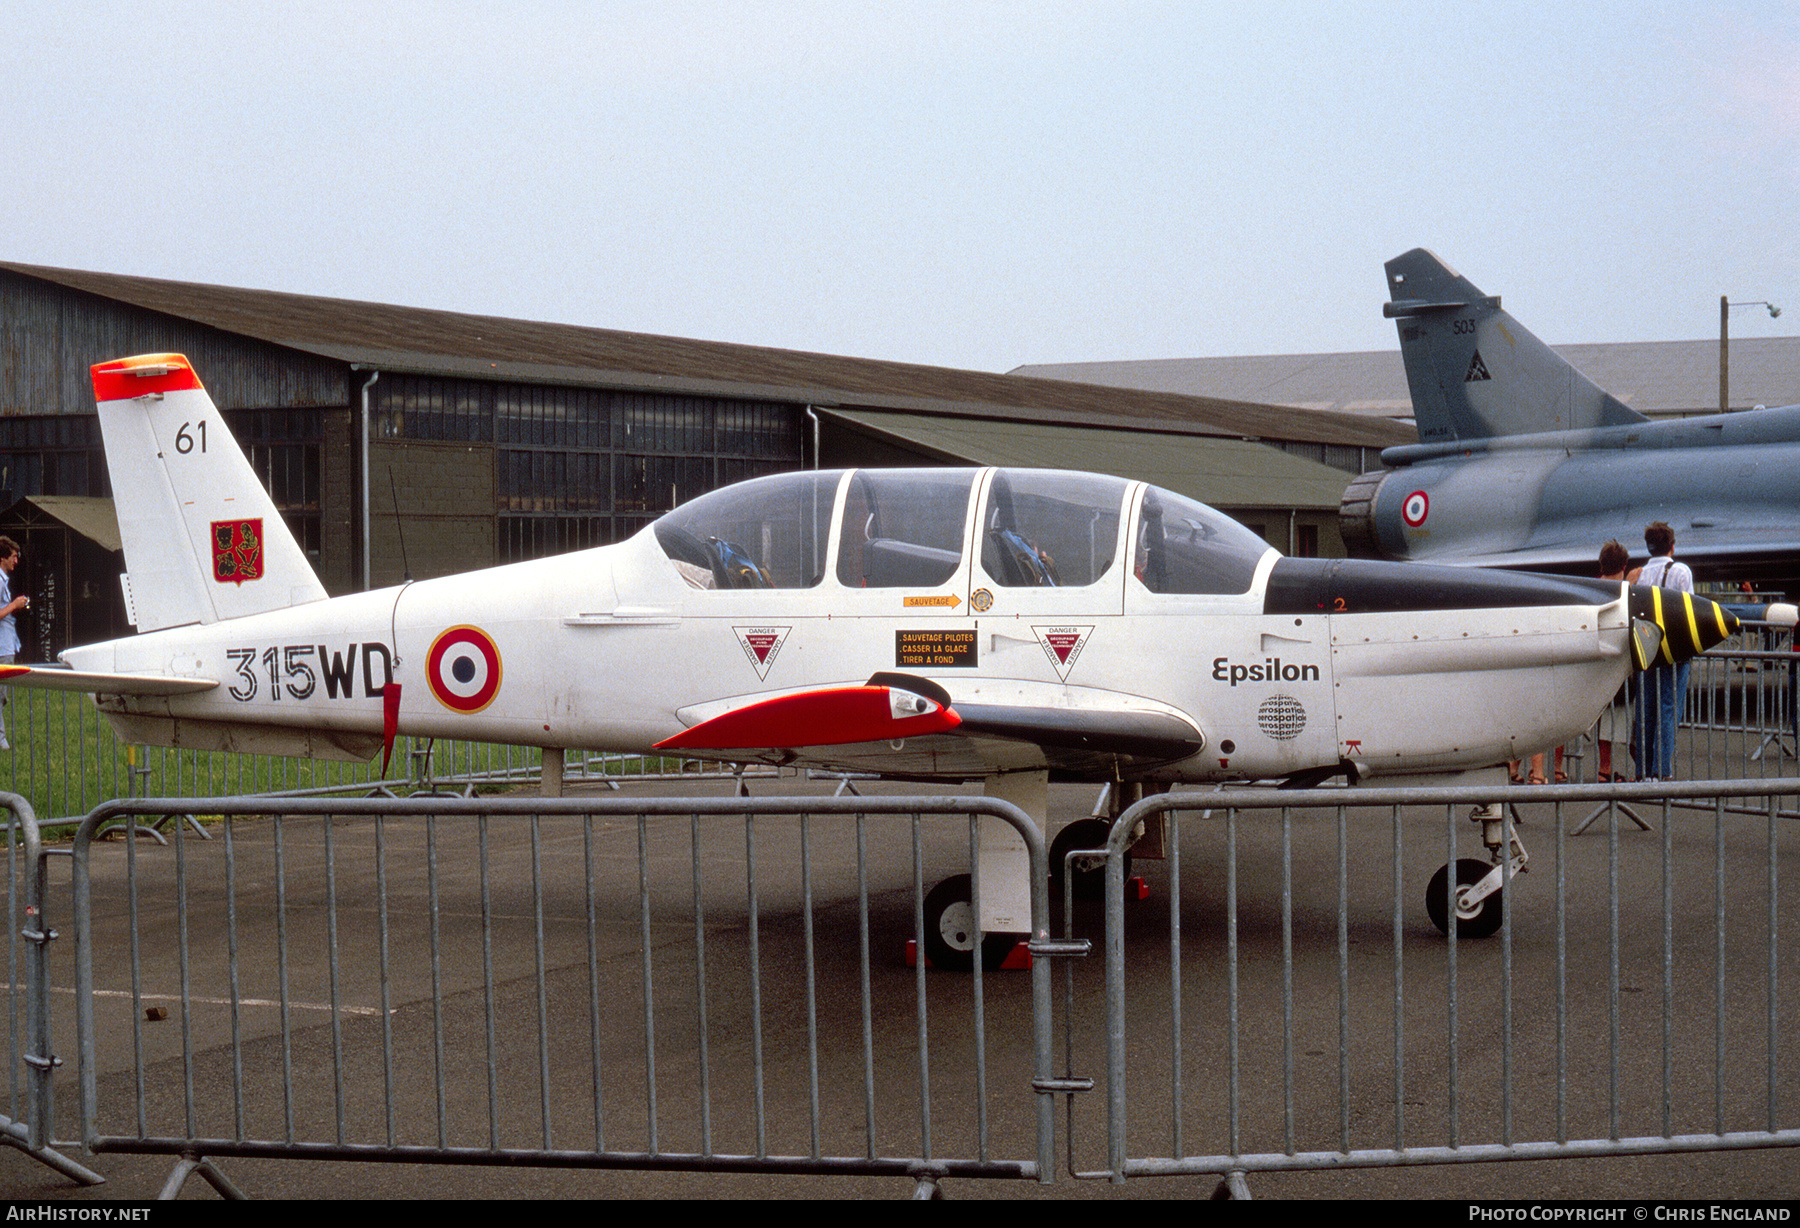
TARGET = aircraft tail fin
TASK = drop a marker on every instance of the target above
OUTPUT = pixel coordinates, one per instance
(1477, 373)
(203, 540)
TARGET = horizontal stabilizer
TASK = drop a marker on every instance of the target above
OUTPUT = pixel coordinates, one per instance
(55, 679)
(240, 739)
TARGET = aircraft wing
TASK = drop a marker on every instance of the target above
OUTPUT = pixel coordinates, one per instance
(899, 725)
(55, 678)
(1153, 736)
(1710, 559)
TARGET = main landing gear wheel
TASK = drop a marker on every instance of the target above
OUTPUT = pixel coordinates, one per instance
(1479, 921)
(1090, 872)
(950, 929)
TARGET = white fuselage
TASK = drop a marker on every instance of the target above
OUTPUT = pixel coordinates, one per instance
(612, 649)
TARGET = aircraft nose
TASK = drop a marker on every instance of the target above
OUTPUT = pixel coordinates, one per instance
(1689, 624)
(1370, 586)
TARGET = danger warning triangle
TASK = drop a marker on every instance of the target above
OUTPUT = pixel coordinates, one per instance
(1063, 646)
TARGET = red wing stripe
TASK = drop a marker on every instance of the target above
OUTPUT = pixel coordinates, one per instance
(840, 716)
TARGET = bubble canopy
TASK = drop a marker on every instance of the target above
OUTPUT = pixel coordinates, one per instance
(911, 528)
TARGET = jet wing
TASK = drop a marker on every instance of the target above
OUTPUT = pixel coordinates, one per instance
(1766, 561)
(55, 678)
(902, 725)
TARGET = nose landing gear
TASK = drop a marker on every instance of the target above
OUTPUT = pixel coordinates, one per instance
(1474, 895)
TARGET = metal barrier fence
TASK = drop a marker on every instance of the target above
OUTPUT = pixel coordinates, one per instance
(690, 984)
(713, 985)
(27, 1124)
(1306, 1019)
(1739, 719)
(65, 759)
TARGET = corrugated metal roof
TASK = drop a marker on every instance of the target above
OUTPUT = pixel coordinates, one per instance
(415, 339)
(1656, 378)
(1227, 473)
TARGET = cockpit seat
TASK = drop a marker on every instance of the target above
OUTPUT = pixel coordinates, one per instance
(890, 563)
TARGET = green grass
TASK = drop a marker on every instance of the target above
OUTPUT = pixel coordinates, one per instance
(65, 761)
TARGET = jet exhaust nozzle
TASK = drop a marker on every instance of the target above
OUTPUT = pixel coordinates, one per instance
(1689, 624)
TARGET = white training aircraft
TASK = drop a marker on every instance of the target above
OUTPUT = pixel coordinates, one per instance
(1006, 626)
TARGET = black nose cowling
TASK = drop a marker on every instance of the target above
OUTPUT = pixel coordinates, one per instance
(1369, 586)
(1686, 625)
(1689, 624)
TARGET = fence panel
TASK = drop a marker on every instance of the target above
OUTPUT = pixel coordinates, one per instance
(642, 983)
(29, 1122)
(65, 759)
(1304, 1014)
(1740, 719)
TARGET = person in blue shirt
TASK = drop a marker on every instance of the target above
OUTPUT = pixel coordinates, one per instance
(9, 634)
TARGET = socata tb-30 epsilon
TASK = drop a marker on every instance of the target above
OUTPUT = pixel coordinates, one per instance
(1004, 626)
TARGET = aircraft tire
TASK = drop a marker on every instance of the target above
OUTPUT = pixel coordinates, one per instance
(950, 929)
(1487, 915)
(1090, 872)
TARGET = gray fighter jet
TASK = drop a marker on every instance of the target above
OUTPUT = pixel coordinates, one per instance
(1523, 463)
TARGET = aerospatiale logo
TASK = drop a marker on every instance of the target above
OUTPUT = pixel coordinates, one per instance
(762, 645)
(237, 550)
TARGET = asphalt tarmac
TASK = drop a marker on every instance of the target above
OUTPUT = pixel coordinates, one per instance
(1310, 1078)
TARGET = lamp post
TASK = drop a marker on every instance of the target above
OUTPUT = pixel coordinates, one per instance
(1725, 306)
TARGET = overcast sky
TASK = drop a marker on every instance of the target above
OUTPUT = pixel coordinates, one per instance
(968, 184)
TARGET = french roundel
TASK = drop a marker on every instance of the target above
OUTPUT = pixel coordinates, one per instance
(463, 668)
(1416, 508)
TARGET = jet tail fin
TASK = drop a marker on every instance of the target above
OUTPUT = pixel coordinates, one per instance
(203, 540)
(1477, 373)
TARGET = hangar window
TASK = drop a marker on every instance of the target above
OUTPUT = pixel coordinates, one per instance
(285, 447)
(769, 533)
(1187, 547)
(51, 455)
(903, 528)
(577, 467)
(421, 407)
(1048, 528)
(670, 448)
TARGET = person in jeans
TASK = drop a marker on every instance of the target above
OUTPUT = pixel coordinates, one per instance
(1662, 692)
(9, 634)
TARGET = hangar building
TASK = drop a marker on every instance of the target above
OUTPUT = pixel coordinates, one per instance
(1659, 379)
(399, 440)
